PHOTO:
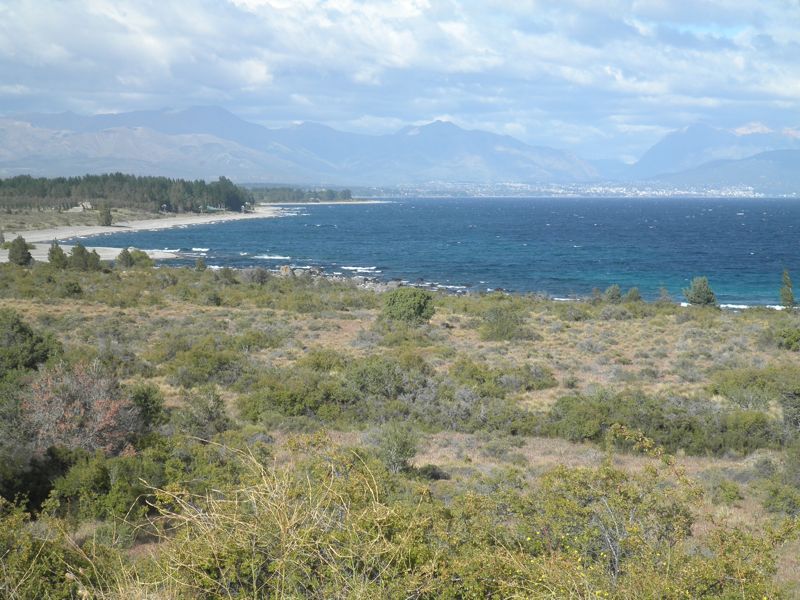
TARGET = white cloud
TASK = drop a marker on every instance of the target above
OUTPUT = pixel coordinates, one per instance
(550, 72)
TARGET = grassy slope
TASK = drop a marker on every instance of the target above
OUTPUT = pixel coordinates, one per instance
(668, 350)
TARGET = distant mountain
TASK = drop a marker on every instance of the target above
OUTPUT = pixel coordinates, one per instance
(210, 141)
(773, 172)
(698, 144)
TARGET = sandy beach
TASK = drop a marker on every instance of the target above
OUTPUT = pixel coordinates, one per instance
(41, 238)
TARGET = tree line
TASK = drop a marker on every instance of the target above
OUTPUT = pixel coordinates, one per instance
(118, 190)
(289, 194)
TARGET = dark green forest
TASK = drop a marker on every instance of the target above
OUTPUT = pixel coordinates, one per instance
(117, 190)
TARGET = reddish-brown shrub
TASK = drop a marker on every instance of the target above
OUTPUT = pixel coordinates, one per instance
(79, 406)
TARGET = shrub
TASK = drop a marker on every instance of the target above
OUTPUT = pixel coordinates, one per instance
(504, 320)
(323, 360)
(397, 444)
(18, 253)
(496, 382)
(726, 492)
(633, 295)
(700, 293)
(788, 338)
(39, 560)
(760, 388)
(408, 305)
(20, 346)
(203, 414)
(694, 426)
(204, 362)
(141, 259)
(79, 407)
(124, 259)
(613, 294)
(149, 400)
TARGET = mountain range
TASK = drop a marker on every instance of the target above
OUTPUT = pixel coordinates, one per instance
(205, 142)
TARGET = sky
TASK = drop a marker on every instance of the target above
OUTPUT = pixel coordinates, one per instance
(601, 78)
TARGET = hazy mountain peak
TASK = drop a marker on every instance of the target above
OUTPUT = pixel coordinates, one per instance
(304, 153)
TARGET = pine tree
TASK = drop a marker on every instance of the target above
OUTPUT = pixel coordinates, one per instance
(81, 259)
(18, 253)
(56, 256)
(787, 293)
(124, 259)
(104, 216)
(700, 293)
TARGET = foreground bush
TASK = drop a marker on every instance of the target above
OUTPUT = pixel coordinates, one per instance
(408, 305)
(38, 560)
(337, 525)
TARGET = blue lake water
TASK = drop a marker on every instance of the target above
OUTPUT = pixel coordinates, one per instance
(561, 247)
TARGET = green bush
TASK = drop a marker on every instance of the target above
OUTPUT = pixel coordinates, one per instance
(204, 362)
(397, 445)
(633, 295)
(700, 293)
(613, 294)
(408, 305)
(39, 560)
(294, 392)
(499, 381)
(202, 414)
(782, 498)
(763, 388)
(695, 426)
(149, 400)
(504, 320)
(323, 360)
(788, 338)
(20, 346)
(18, 252)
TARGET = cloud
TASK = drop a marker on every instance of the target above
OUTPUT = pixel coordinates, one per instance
(600, 77)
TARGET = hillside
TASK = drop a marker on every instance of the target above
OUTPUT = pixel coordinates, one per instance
(253, 435)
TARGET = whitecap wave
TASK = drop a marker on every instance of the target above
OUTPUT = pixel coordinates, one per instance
(200, 249)
(272, 257)
(361, 269)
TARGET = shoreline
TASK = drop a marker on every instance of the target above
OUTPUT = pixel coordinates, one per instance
(41, 238)
(328, 203)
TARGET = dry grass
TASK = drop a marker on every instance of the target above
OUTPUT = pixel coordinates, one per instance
(662, 353)
(47, 219)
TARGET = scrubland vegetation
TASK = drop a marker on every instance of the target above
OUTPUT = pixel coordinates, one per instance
(180, 433)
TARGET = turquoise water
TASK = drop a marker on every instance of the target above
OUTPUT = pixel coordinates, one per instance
(561, 247)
